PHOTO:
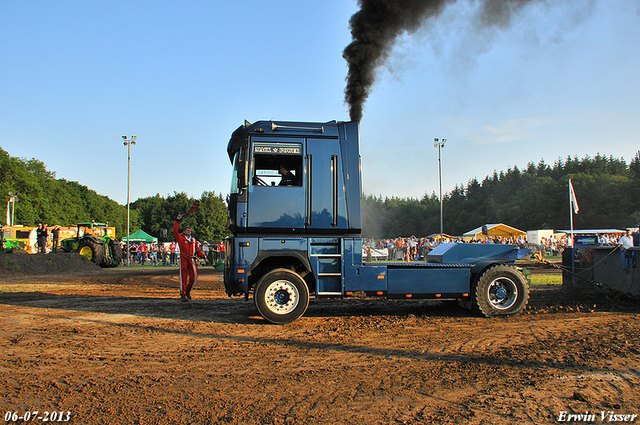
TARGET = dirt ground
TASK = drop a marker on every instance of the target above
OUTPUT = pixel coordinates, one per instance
(115, 346)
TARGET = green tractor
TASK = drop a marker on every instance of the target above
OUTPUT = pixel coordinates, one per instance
(10, 245)
(94, 242)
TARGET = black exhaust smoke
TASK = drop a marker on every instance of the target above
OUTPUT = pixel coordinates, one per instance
(378, 23)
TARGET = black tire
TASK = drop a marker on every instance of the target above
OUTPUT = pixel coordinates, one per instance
(91, 250)
(501, 290)
(281, 296)
(116, 253)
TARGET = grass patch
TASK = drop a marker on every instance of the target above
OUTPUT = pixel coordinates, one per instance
(546, 279)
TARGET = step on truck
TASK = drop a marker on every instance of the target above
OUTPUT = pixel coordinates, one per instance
(294, 211)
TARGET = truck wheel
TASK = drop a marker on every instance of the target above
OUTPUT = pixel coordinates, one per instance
(281, 296)
(501, 290)
(91, 250)
(116, 253)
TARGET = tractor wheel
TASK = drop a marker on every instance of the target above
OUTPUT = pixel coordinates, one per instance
(116, 252)
(501, 290)
(91, 250)
(281, 296)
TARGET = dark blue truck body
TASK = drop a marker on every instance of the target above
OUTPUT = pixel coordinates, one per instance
(301, 239)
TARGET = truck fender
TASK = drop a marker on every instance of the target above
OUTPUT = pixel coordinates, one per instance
(270, 260)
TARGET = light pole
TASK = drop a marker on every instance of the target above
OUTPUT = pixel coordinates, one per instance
(128, 143)
(11, 203)
(440, 144)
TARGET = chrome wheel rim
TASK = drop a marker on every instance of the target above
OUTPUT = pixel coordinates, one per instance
(281, 297)
(502, 293)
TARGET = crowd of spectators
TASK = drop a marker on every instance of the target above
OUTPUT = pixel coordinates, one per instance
(168, 254)
(416, 249)
(406, 249)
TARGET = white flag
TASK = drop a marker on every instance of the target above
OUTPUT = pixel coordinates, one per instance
(572, 198)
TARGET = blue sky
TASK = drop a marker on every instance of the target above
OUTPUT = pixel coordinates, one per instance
(562, 79)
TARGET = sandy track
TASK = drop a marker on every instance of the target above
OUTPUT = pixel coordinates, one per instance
(117, 347)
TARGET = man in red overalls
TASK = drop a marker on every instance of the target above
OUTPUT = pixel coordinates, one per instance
(188, 266)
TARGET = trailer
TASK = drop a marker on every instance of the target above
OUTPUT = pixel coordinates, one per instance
(588, 265)
(294, 211)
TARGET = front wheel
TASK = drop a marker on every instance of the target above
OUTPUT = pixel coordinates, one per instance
(501, 290)
(281, 296)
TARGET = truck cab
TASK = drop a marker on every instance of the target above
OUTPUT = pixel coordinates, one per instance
(324, 197)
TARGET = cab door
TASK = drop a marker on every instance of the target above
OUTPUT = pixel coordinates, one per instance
(325, 205)
(273, 207)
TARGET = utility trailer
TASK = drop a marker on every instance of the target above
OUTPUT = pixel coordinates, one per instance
(303, 239)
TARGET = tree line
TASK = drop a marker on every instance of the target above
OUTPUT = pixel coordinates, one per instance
(43, 198)
(607, 188)
(209, 222)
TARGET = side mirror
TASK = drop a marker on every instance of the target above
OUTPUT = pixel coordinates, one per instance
(243, 169)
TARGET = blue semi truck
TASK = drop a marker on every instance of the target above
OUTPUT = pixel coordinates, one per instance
(301, 239)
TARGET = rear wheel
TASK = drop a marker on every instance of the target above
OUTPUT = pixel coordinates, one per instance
(116, 252)
(281, 296)
(91, 250)
(501, 290)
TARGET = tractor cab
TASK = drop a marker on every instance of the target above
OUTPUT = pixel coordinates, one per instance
(99, 230)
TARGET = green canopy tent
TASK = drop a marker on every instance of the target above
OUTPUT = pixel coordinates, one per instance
(141, 236)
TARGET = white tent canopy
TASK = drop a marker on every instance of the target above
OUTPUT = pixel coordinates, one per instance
(494, 230)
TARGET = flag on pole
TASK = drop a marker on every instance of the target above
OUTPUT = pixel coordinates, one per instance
(572, 198)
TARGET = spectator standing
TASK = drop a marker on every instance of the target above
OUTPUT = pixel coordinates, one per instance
(42, 234)
(412, 247)
(165, 254)
(221, 249)
(55, 233)
(397, 249)
(215, 247)
(133, 253)
(153, 254)
(143, 250)
(172, 257)
(625, 243)
(205, 249)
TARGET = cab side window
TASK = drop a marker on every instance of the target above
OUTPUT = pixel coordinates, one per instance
(277, 164)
